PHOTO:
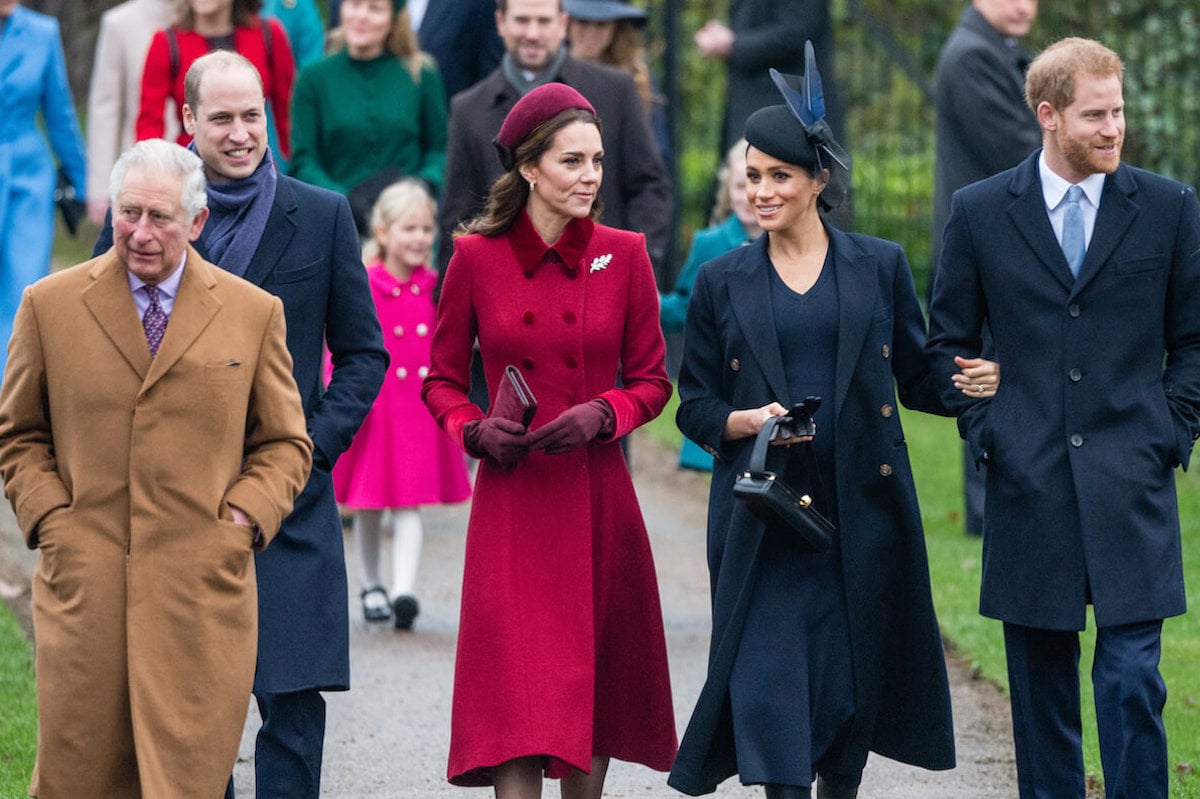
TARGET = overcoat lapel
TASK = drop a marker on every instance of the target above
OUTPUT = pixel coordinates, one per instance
(111, 304)
(1028, 214)
(857, 285)
(750, 282)
(194, 308)
(1113, 219)
(276, 236)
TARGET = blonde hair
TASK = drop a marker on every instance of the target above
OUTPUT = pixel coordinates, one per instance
(401, 42)
(722, 206)
(401, 200)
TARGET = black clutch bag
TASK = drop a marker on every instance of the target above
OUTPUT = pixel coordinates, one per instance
(514, 400)
(775, 502)
(71, 207)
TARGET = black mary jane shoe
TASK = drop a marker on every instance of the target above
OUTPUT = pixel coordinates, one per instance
(373, 612)
(405, 609)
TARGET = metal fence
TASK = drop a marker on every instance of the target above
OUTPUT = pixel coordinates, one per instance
(886, 56)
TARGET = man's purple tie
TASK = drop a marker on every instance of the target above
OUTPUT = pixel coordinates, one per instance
(154, 320)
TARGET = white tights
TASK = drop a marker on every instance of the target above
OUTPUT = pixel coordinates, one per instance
(407, 533)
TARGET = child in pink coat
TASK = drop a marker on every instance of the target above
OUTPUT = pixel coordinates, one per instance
(400, 458)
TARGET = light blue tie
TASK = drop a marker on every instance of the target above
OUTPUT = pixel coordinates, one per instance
(1073, 245)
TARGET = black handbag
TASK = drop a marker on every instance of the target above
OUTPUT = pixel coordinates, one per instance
(775, 502)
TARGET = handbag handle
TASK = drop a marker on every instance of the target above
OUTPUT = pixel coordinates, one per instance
(758, 455)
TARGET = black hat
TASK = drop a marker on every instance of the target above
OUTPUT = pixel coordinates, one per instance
(797, 131)
(776, 132)
(603, 10)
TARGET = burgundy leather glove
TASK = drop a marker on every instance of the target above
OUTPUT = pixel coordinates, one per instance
(502, 440)
(575, 427)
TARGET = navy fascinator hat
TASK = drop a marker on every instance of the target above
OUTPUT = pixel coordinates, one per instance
(797, 131)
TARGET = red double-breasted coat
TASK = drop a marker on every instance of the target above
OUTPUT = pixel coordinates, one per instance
(561, 650)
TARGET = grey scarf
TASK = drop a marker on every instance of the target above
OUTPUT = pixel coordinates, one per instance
(524, 86)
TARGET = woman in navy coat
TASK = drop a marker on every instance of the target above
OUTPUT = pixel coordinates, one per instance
(33, 80)
(817, 658)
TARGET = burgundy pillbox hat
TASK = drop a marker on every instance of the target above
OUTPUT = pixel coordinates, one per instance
(539, 106)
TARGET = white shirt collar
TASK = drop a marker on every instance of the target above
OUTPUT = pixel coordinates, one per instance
(1054, 187)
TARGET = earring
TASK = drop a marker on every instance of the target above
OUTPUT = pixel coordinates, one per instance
(532, 185)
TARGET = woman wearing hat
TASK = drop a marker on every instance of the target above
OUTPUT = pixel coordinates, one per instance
(610, 32)
(818, 657)
(562, 660)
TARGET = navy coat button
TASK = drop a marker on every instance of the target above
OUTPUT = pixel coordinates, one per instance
(886, 411)
(1073, 310)
(1075, 375)
(1076, 440)
(735, 364)
(886, 351)
(885, 469)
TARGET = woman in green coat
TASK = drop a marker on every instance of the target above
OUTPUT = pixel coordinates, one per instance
(372, 112)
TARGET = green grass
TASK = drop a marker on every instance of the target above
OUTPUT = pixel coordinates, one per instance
(18, 721)
(954, 565)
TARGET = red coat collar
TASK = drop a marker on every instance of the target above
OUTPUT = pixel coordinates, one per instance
(532, 252)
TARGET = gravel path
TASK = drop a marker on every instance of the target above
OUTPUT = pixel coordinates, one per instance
(388, 736)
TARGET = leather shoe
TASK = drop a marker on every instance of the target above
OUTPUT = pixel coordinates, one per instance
(374, 611)
(775, 791)
(405, 609)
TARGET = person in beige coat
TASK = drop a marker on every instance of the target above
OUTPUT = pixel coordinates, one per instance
(115, 90)
(147, 481)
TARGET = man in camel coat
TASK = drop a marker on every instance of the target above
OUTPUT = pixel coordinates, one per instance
(147, 461)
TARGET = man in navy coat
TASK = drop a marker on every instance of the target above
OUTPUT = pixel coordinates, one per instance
(299, 243)
(1093, 313)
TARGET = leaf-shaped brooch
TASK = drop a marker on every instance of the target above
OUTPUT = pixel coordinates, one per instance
(600, 262)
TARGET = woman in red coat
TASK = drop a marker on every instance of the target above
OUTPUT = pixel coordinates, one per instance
(562, 661)
(206, 25)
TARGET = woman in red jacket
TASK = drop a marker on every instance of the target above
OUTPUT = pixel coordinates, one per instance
(206, 25)
(562, 661)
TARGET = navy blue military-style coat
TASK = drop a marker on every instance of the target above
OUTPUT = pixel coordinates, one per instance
(732, 361)
(1099, 398)
(309, 257)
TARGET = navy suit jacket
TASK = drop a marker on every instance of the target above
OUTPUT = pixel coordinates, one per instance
(309, 257)
(1099, 397)
(461, 35)
(984, 125)
(771, 33)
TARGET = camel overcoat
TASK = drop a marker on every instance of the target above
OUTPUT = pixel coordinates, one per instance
(121, 470)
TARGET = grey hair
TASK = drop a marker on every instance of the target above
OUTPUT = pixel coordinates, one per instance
(168, 158)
